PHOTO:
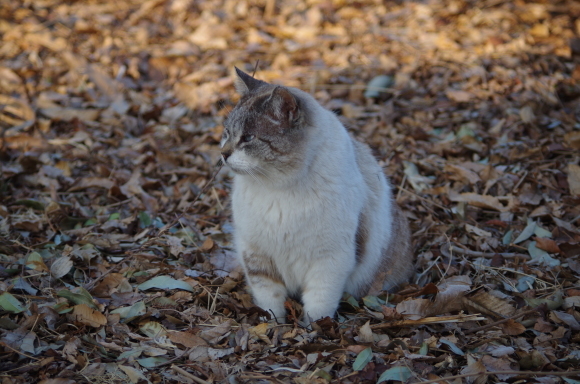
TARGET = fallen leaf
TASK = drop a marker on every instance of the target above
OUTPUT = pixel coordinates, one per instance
(547, 245)
(512, 328)
(86, 315)
(61, 267)
(574, 179)
(165, 282)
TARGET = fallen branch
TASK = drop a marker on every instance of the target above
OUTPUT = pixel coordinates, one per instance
(429, 320)
(183, 372)
(446, 249)
(490, 325)
(520, 373)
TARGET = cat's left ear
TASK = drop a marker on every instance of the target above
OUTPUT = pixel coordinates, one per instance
(245, 83)
(284, 104)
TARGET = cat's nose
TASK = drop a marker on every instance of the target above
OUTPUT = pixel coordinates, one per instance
(226, 154)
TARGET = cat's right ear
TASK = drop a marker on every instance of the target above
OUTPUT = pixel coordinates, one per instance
(245, 83)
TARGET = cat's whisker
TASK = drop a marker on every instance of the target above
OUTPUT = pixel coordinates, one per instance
(253, 175)
(262, 172)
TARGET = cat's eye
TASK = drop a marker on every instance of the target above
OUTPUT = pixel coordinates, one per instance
(247, 138)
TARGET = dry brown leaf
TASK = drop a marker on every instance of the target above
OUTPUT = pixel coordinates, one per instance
(107, 285)
(512, 328)
(92, 182)
(175, 246)
(187, 339)
(472, 369)
(527, 114)
(68, 114)
(365, 333)
(448, 299)
(547, 245)
(572, 139)
(86, 315)
(499, 364)
(483, 201)
(489, 303)
(260, 331)
(574, 179)
(58, 380)
(207, 245)
(61, 266)
(461, 173)
(459, 96)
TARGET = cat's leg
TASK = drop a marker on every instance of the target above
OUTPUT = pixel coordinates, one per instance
(323, 287)
(269, 295)
(266, 283)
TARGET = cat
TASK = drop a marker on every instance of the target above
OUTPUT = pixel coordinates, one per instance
(313, 212)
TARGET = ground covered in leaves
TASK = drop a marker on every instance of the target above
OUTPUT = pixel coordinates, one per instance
(116, 263)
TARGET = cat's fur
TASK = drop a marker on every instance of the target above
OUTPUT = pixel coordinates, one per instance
(313, 211)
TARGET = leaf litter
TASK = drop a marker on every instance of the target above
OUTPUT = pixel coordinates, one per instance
(116, 250)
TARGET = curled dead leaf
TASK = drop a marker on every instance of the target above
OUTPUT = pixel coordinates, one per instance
(61, 266)
(88, 316)
(484, 201)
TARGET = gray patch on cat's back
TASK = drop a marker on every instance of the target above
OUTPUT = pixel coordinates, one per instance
(361, 238)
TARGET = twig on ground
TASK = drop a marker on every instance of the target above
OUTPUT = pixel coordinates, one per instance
(428, 320)
(423, 199)
(445, 249)
(490, 325)
(520, 373)
(20, 353)
(183, 372)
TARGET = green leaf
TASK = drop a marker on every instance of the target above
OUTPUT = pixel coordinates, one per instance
(90, 222)
(131, 312)
(134, 352)
(395, 373)
(424, 349)
(114, 216)
(507, 238)
(372, 302)
(452, 346)
(525, 283)
(541, 232)
(6, 323)
(350, 300)
(571, 381)
(144, 219)
(362, 359)
(81, 296)
(10, 303)
(36, 262)
(34, 204)
(540, 256)
(527, 232)
(322, 373)
(152, 362)
(62, 308)
(465, 130)
(165, 282)
(378, 84)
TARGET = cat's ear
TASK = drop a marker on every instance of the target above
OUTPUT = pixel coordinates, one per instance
(284, 104)
(245, 83)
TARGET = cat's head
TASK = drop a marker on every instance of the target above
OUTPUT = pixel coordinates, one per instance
(265, 133)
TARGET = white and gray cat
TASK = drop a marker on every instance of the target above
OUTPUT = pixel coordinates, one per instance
(313, 211)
